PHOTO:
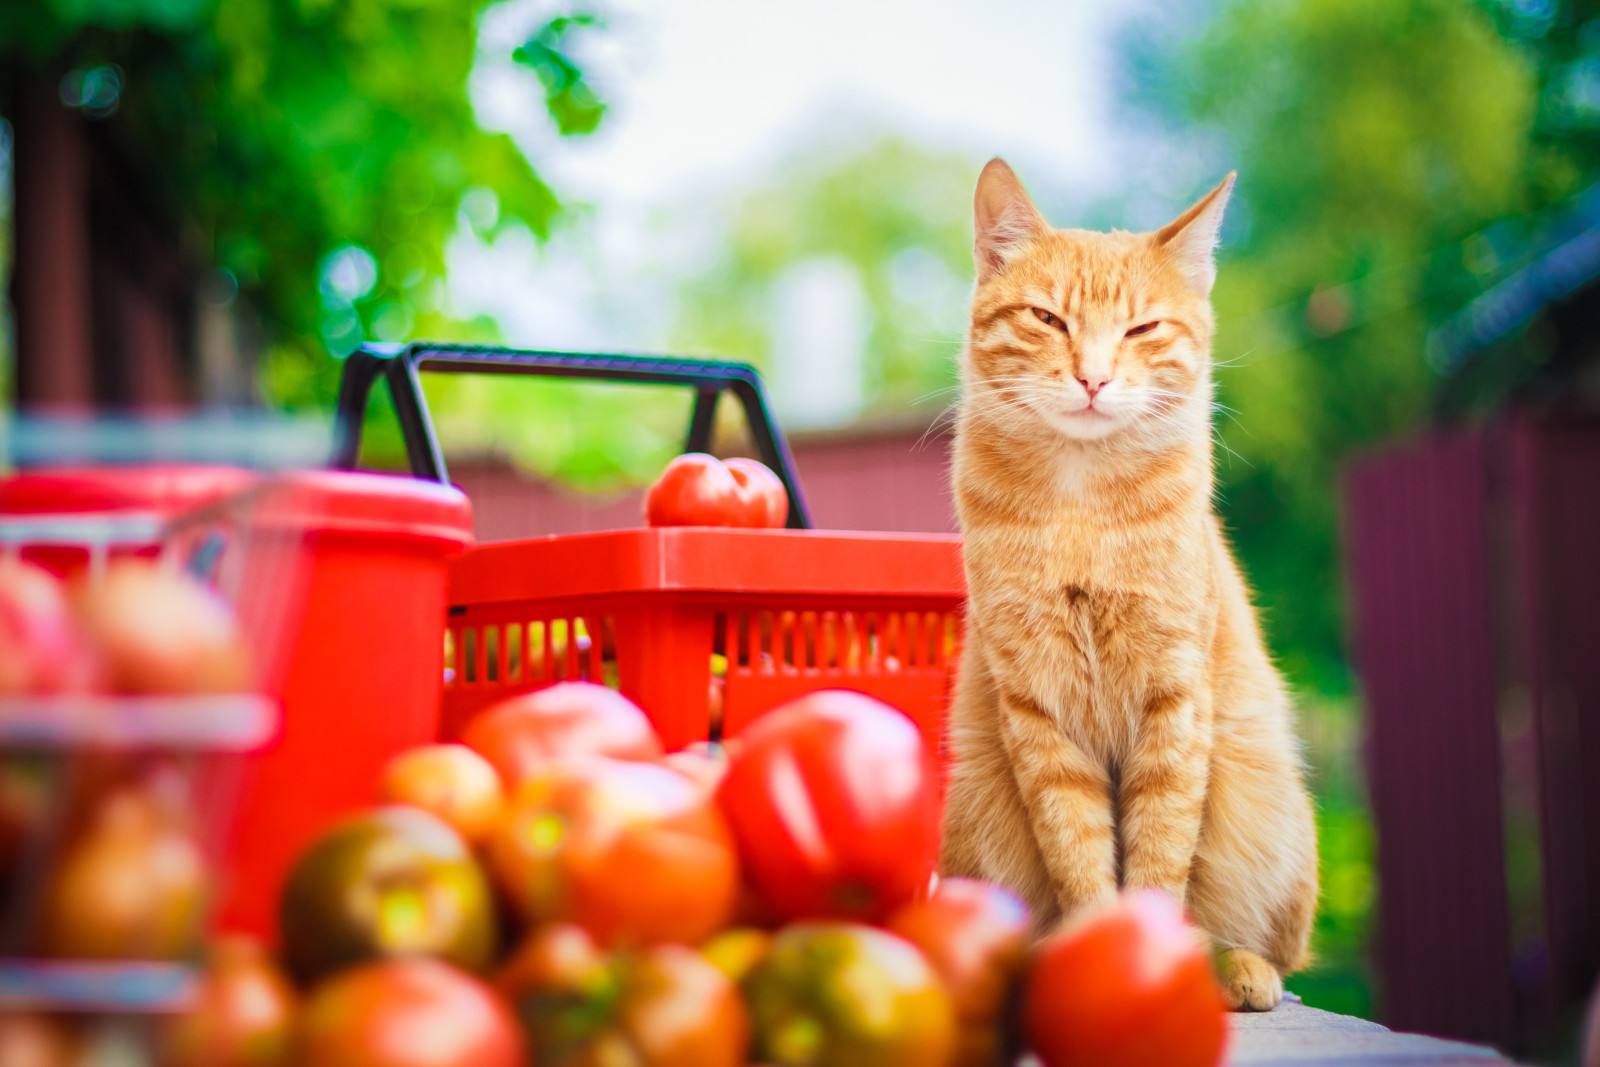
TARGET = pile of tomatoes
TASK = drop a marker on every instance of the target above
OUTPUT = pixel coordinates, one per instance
(555, 890)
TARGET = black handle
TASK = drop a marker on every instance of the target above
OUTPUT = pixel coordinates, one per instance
(399, 366)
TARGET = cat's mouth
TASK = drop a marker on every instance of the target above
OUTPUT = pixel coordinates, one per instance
(1086, 423)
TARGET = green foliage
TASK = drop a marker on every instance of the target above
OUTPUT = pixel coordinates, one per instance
(896, 212)
(1372, 138)
(1338, 979)
(572, 104)
(319, 150)
(591, 437)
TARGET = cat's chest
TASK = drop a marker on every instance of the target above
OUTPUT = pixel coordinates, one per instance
(1081, 618)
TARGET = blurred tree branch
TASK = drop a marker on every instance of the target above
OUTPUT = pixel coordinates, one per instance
(296, 137)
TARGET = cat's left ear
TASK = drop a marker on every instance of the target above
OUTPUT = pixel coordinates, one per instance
(1191, 238)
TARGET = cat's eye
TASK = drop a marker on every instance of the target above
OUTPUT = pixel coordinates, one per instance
(1142, 329)
(1049, 320)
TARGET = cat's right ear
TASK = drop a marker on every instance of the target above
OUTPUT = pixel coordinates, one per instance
(1003, 218)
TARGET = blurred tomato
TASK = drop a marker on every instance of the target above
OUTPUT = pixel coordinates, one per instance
(1128, 986)
(848, 995)
(41, 647)
(28, 1039)
(395, 881)
(159, 631)
(835, 804)
(450, 781)
(414, 1012)
(701, 490)
(633, 852)
(664, 1006)
(526, 733)
(131, 882)
(242, 1015)
(773, 497)
(975, 935)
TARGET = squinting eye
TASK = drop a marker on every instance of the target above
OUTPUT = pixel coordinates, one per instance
(1049, 319)
(1145, 328)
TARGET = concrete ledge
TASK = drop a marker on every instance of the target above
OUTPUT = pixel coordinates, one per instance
(1297, 1036)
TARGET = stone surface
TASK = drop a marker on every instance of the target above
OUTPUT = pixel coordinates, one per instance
(1297, 1036)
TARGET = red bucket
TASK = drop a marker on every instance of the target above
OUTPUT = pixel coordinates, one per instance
(364, 668)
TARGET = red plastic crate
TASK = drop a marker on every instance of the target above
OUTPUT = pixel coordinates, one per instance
(683, 619)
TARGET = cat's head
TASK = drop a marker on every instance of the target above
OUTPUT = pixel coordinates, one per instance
(1088, 335)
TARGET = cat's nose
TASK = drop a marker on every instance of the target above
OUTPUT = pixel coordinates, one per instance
(1092, 386)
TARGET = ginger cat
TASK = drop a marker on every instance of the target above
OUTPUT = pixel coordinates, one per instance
(1116, 719)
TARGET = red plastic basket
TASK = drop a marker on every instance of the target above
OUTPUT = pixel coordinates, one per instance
(704, 628)
(707, 628)
(63, 754)
(355, 689)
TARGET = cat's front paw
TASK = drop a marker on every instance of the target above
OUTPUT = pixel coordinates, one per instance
(1249, 983)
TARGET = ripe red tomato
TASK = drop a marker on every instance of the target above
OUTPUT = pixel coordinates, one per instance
(242, 1015)
(1130, 986)
(701, 490)
(635, 853)
(526, 733)
(450, 781)
(41, 649)
(774, 498)
(411, 1012)
(975, 935)
(158, 631)
(834, 801)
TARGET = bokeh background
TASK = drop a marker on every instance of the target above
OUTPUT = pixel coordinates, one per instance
(790, 185)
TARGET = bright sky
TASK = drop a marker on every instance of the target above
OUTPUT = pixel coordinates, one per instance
(706, 95)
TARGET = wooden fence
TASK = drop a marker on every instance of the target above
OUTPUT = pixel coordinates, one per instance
(1475, 576)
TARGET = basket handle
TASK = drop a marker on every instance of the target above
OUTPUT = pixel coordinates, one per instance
(399, 366)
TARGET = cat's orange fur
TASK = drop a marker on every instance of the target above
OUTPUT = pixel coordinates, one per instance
(1117, 719)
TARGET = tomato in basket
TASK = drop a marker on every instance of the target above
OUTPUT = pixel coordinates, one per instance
(394, 881)
(701, 490)
(450, 781)
(636, 853)
(130, 882)
(41, 647)
(526, 733)
(242, 1015)
(665, 1006)
(1128, 986)
(975, 935)
(413, 1012)
(848, 995)
(834, 800)
(157, 631)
